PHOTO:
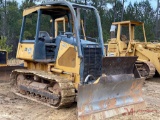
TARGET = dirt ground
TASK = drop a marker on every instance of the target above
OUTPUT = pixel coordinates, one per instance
(13, 107)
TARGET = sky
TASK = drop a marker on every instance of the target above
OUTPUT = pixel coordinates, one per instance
(153, 2)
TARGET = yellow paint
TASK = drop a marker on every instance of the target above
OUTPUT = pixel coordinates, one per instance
(69, 72)
(57, 21)
(76, 80)
(97, 81)
(62, 49)
(75, 70)
(46, 67)
(127, 22)
(64, 20)
(36, 8)
(145, 51)
(25, 51)
(36, 66)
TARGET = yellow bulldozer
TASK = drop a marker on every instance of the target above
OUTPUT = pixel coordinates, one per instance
(128, 39)
(63, 69)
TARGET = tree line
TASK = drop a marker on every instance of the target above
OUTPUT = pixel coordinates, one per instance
(11, 18)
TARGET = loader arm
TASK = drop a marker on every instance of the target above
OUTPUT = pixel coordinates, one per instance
(147, 55)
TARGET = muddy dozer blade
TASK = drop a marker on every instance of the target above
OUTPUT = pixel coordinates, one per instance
(116, 93)
(5, 71)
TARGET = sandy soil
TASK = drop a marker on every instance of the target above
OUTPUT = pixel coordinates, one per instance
(13, 107)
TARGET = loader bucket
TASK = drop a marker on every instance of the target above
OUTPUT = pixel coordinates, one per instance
(119, 92)
(5, 72)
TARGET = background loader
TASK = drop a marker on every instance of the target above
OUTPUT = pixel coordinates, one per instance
(128, 39)
(5, 69)
(66, 68)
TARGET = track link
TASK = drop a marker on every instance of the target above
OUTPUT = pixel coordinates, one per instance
(46, 96)
(146, 69)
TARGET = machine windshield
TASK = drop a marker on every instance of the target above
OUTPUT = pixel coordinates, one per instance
(87, 25)
(139, 33)
(136, 33)
(56, 21)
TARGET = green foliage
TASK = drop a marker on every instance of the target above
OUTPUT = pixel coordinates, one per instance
(3, 44)
(10, 22)
(143, 12)
(26, 4)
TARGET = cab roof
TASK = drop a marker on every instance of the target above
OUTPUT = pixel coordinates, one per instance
(55, 7)
(128, 22)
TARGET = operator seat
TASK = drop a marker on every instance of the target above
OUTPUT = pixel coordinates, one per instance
(46, 36)
(123, 38)
(123, 43)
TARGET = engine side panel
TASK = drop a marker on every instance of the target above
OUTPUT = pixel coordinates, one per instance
(68, 60)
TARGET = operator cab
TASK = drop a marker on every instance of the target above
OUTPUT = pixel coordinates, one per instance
(127, 32)
(40, 37)
(130, 30)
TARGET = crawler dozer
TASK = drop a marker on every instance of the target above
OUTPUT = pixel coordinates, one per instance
(63, 69)
(128, 39)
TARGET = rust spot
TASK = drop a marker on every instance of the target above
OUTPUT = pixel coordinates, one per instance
(101, 104)
(111, 103)
(86, 104)
(81, 109)
(136, 90)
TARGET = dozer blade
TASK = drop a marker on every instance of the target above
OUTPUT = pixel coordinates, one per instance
(5, 71)
(119, 65)
(116, 93)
